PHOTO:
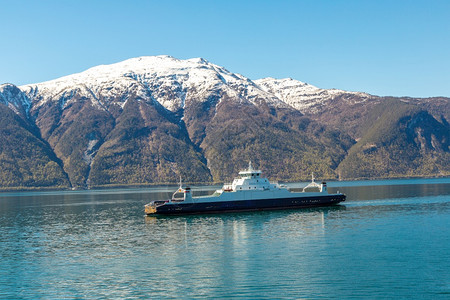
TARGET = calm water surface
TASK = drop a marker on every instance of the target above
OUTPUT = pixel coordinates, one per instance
(389, 239)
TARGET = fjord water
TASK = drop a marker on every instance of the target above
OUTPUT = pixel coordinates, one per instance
(389, 239)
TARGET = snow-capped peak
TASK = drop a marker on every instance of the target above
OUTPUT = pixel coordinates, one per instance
(301, 95)
(175, 83)
(170, 81)
(145, 67)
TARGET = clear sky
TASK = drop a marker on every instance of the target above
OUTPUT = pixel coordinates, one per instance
(395, 47)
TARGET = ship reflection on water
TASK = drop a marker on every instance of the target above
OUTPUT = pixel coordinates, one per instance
(225, 249)
(234, 226)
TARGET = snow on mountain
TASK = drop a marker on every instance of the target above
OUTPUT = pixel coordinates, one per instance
(302, 96)
(170, 81)
(176, 83)
(14, 98)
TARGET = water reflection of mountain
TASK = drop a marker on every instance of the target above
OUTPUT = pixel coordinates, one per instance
(393, 191)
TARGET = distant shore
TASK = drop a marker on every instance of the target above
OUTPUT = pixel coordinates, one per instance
(175, 184)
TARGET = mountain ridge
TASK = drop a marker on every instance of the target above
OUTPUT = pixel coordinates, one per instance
(152, 119)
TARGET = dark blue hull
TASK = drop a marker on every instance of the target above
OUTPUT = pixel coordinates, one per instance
(249, 205)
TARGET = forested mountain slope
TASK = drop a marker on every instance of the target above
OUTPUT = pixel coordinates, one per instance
(153, 119)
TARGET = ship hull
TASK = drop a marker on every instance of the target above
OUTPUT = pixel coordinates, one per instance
(248, 205)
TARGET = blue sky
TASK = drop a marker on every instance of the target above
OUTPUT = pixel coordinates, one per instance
(397, 48)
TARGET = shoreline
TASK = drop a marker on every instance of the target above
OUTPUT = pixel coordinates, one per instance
(197, 184)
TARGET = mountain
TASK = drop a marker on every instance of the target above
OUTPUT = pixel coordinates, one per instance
(398, 139)
(26, 160)
(153, 119)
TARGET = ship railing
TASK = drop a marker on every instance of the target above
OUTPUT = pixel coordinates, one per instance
(178, 196)
(157, 203)
(177, 199)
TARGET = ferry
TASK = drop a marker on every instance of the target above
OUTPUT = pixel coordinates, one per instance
(248, 192)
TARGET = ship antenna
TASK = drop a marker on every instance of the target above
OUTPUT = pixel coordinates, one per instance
(180, 183)
(312, 176)
(250, 166)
